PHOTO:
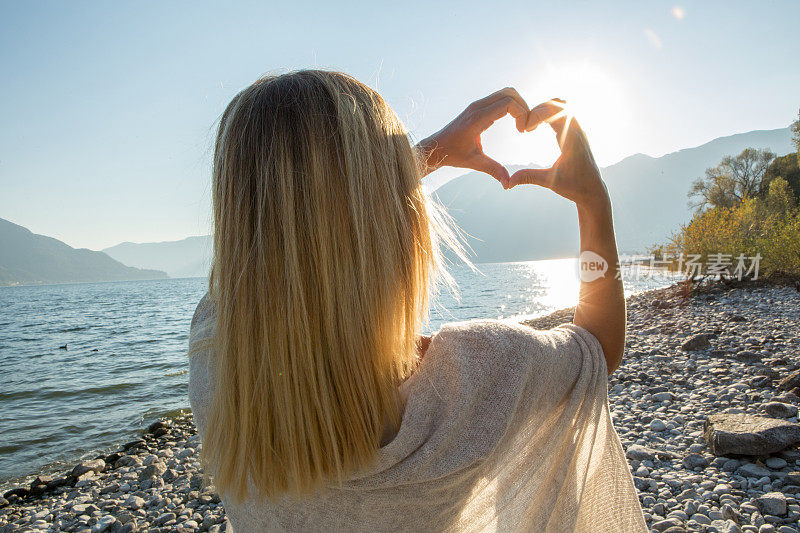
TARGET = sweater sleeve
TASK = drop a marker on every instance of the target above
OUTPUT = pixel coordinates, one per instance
(562, 437)
(531, 408)
(201, 376)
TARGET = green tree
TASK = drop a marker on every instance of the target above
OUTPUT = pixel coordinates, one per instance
(796, 132)
(733, 180)
(786, 167)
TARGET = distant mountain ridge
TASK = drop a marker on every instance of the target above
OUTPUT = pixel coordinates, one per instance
(648, 195)
(28, 258)
(187, 258)
(528, 223)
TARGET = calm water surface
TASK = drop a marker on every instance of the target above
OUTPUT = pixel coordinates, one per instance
(125, 362)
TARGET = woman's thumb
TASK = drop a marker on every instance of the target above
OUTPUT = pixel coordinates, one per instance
(531, 176)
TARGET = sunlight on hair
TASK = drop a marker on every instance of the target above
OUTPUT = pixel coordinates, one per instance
(326, 250)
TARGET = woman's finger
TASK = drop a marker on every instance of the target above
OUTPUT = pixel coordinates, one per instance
(487, 116)
(509, 92)
(555, 113)
(550, 112)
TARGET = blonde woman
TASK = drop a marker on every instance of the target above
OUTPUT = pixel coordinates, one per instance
(319, 406)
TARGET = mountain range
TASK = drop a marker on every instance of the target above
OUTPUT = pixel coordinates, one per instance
(187, 258)
(28, 258)
(648, 195)
(525, 223)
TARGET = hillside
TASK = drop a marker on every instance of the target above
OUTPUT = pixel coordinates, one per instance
(188, 258)
(27, 258)
(649, 197)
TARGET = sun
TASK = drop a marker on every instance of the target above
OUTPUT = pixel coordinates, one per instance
(595, 97)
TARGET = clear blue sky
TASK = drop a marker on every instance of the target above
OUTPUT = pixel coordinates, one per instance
(108, 108)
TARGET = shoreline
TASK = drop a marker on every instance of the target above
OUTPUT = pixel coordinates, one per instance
(723, 351)
(65, 458)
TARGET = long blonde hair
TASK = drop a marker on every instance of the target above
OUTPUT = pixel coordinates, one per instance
(325, 250)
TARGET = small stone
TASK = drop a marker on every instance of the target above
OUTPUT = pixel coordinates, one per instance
(694, 460)
(663, 397)
(128, 460)
(698, 342)
(134, 502)
(780, 410)
(183, 454)
(164, 518)
(658, 425)
(95, 466)
(753, 470)
(158, 424)
(701, 519)
(19, 492)
(772, 503)
(790, 382)
(747, 356)
(638, 452)
(103, 524)
(138, 443)
(776, 463)
(155, 469)
(663, 525)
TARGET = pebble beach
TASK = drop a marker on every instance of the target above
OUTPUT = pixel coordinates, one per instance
(705, 403)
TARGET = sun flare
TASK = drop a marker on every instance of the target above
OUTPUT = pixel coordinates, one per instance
(595, 97)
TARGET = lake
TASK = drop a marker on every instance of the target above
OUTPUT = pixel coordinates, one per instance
(125, 360)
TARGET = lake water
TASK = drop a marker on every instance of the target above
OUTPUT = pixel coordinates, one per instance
(125, 362)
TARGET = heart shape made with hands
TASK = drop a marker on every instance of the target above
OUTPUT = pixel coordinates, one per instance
(552, 113)
(515, 151)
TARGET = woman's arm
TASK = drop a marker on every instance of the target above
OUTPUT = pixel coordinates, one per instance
(459, 143)
(575, 176)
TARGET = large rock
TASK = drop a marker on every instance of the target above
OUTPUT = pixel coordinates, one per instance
(743, 434)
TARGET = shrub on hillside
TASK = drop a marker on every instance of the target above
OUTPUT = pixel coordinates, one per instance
(767, 227)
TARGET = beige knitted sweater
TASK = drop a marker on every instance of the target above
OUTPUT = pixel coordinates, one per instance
(505, 428)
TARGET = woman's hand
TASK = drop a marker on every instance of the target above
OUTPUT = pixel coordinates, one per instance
(459, 143)
(423, 341)
(574, 175)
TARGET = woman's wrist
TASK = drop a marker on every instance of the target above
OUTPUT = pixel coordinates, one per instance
(429, 154)
(596, 202)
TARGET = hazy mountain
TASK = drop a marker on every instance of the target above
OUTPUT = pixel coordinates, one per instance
(649, 197)
(27, 258)
(188, 258)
